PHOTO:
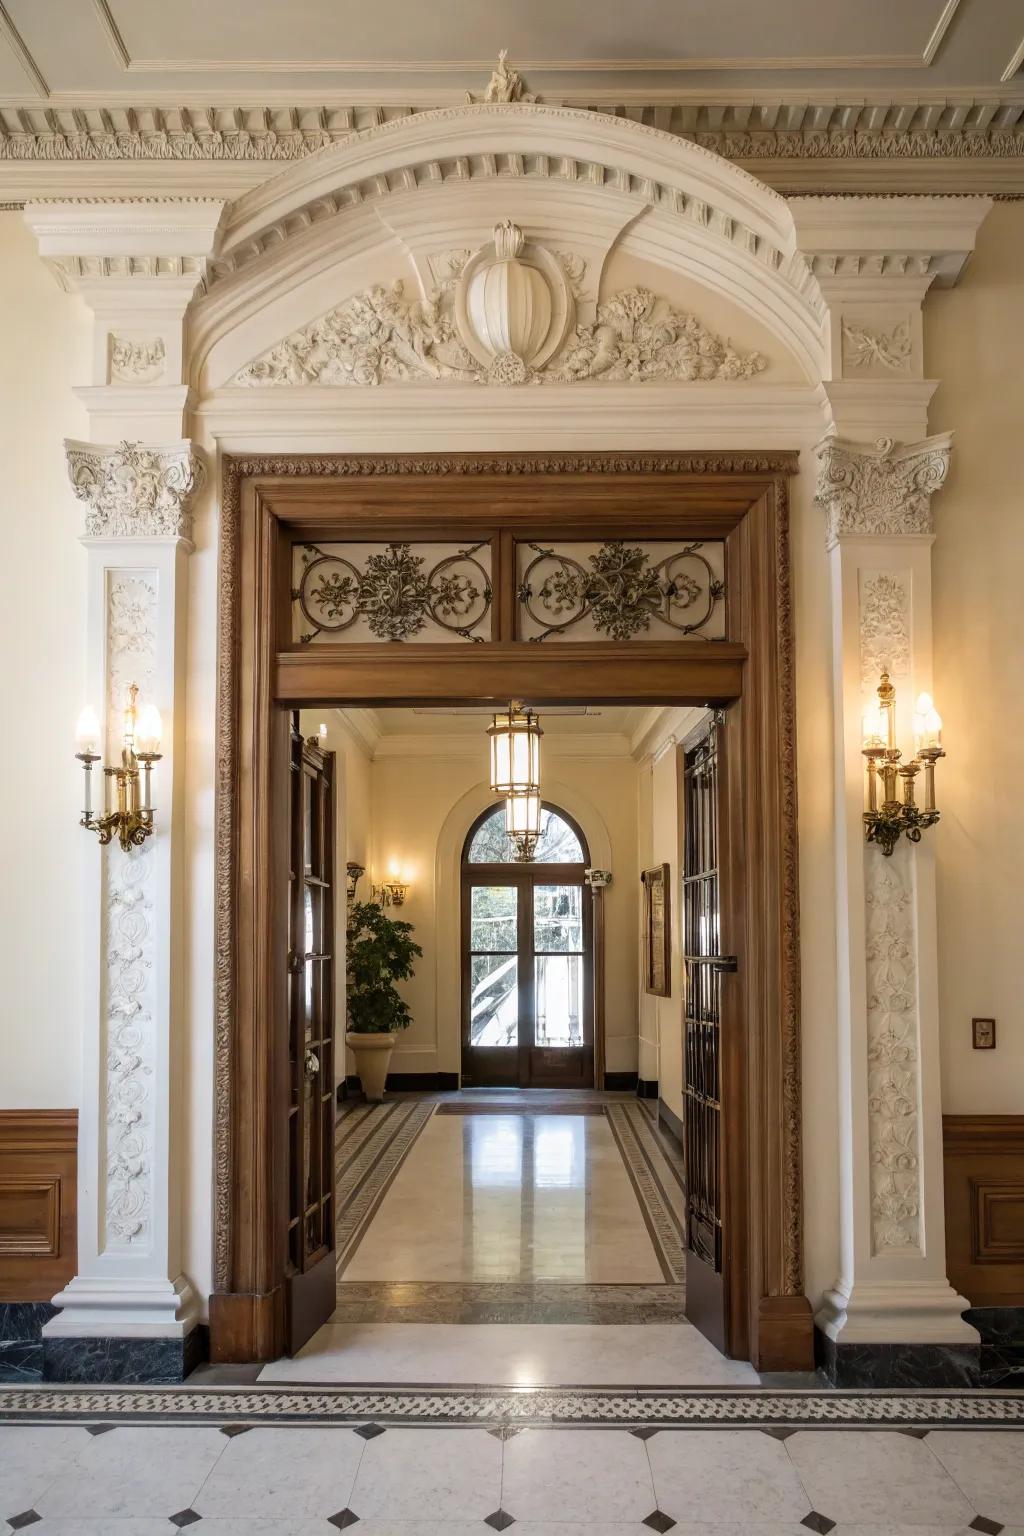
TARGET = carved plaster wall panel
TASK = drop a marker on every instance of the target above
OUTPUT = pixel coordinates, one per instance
(358, 593)
(137, 360)
(893, 1043)
(868, 349)
(619, 590)
(128, 979)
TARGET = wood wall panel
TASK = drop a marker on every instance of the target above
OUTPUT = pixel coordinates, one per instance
(984, 1179)
(38, 1202)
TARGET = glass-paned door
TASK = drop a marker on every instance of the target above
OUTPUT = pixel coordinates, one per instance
(527, 959)
(311, 1277)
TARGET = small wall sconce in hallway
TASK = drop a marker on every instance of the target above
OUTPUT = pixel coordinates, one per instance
(392, 891)
(353, 874)
(131, 820)
(895, 817)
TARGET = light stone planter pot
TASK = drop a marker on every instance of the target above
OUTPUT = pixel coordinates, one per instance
(372, 1053)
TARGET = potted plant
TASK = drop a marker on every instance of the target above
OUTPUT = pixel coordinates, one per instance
(380, 952)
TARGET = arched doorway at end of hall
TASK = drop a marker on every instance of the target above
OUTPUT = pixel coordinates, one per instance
(527, 958)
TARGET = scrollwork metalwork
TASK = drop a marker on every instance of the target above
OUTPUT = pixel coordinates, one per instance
(621, 591)
(396, 592)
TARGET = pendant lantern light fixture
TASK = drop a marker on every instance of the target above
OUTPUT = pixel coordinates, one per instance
(515, 752)
(522, 825)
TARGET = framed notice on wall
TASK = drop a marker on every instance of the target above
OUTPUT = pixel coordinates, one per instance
(657, 932)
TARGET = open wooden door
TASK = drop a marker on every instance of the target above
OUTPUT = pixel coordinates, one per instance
(704, 966)
(311, 1278)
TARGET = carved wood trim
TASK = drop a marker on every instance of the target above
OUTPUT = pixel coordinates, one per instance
(756, 482)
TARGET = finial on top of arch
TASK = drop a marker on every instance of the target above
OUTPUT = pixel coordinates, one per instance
(505, 84)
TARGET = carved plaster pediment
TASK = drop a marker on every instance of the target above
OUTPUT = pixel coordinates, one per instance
(505, 317)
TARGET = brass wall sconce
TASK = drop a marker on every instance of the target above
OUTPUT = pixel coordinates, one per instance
(131, 818)
(392, 891)
(353, 875)
(899, 816)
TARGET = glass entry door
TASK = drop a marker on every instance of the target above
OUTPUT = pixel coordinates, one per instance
(527, 995)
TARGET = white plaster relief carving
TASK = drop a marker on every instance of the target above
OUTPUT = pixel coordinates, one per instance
(384, 336)
(135, 490)
(864, 348)
(137, 361)
(884, 631)
(128, 907)
(892, 1047)
(886, 489)
(505, 84)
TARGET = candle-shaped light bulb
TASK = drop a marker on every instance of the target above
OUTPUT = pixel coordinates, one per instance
(149, 730)
(87, 731)
(933, 728)
(323, 730)
(874, 726)
(924, 703)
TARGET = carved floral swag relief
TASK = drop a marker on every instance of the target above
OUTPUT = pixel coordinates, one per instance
(128, 907)
(892, 1018)
(382, 336)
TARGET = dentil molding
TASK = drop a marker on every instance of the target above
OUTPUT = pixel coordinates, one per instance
(135, 490)
(881, 489)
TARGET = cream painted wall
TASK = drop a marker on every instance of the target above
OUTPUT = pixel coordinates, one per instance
(413, 799)
(973, 336)
(44, 344)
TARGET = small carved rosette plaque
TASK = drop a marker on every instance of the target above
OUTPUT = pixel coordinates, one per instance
(621, 590)
(362, 593)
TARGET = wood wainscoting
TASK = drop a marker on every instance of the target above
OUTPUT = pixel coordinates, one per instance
(984, 1177)
(38, 1202)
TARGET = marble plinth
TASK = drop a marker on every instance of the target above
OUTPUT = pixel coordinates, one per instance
(897, 1365)
(128, 1360)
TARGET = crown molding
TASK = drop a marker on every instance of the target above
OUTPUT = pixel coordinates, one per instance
(362, 728)
(440, 744)
(963, 140)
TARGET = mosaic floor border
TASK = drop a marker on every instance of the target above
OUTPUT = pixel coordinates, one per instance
(591, 1407)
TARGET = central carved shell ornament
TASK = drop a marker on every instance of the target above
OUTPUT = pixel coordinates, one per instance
(505, 314)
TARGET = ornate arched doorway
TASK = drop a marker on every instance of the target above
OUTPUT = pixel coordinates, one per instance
(527, 958)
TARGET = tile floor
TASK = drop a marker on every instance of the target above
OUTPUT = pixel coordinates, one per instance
(297, 1481)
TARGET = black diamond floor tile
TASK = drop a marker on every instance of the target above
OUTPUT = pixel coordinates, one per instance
(816, 1522)
(914, 1434)
(369, 1431)
(659, 1521)
(99, 1429)
(184, 1517)
(644, 1432)
(231, 1430)
(984, 1524)
(27, 1517)
(343, 1519)
(500, 1520)
(777, 1431)
(505, 1431)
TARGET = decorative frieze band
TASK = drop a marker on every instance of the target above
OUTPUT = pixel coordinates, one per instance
(884, 489)
(135, 490)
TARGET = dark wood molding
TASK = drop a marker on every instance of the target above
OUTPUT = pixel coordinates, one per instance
(984, 1200)
(741, 497)
(38, 1202)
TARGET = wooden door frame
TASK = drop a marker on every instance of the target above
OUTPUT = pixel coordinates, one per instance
(741, 497)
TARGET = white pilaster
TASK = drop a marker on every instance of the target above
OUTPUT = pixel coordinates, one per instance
(892, 1285)
(129, 1281)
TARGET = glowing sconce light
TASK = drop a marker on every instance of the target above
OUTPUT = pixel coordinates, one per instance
(130, 819)
(392, 890)
(897, 816)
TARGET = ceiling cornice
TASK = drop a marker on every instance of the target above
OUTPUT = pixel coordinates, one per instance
(962, 140)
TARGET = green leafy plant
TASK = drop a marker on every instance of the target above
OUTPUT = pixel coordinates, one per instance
(380, 952)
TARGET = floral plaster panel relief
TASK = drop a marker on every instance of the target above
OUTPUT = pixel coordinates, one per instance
(891, 944)
(128, 980)
(136, 361)
(866, 348)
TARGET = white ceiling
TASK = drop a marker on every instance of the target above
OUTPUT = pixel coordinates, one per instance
(564, 721)
(156, 53)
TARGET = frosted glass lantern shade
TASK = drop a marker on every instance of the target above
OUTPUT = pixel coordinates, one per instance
(515, 752)
(522, 814)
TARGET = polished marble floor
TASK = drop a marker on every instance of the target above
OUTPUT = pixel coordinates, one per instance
(510, 1196)
(140, 1480)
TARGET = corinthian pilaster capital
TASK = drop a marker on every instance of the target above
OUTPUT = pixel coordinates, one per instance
(135, 490)
(884, 489)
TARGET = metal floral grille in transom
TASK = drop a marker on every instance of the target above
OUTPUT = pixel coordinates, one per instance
(621, 590)
(393, 592)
